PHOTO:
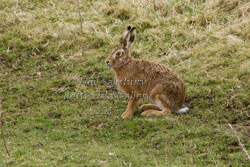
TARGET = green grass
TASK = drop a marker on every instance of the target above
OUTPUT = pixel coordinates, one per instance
(42, 48)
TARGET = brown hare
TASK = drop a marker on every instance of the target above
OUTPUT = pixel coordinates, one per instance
(163, 85)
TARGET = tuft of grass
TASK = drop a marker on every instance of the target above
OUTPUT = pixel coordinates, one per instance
(44, 53)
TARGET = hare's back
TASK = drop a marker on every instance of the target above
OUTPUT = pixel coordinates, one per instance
(158, 72)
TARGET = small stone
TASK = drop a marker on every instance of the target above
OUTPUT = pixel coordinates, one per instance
(111, 154)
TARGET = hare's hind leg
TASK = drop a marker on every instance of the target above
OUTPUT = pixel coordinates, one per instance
(161, 100)
(145, 107)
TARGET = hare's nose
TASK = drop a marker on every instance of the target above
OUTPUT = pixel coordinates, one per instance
(107, 63)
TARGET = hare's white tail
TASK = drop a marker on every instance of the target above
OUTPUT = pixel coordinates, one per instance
(182, 110)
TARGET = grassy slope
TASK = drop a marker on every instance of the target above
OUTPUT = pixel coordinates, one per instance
(42, 48)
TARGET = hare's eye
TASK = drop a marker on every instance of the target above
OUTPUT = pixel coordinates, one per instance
(118, 53)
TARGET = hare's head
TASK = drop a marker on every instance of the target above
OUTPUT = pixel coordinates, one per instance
(120, 55)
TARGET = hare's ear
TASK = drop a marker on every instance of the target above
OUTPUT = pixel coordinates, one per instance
(132, 36)
(125, 37)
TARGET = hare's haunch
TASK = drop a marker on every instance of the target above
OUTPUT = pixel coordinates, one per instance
(163, 85)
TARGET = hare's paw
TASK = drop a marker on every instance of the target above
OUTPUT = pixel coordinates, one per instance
(126, 115)
(149, 113)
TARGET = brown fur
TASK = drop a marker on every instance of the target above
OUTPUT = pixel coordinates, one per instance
(164, 85)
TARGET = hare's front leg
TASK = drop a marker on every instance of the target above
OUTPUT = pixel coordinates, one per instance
(130, 109)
